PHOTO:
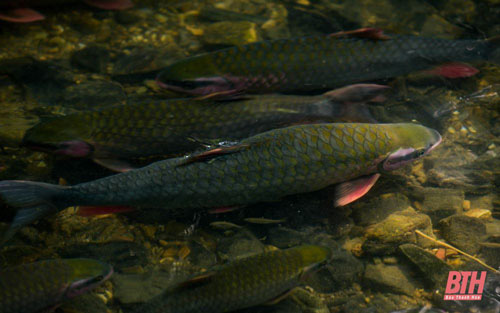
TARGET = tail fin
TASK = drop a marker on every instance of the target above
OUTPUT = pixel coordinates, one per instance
(33, 200)
(494, 55)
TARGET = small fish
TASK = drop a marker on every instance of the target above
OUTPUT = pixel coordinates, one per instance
(20, 11)
(262, 168)
(224, 225)
(113, 136)
(43, 285)
(261, 220)
(263, 278)
(321, 62)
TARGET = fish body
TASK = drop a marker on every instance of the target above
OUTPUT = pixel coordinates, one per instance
(318, 62)
(179, 126)
(242, 283)
(42, 285)
(265, 167)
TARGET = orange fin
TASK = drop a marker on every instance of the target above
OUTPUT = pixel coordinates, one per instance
(88, 211)
(21, 15)
(196, 281)
(350, 191)
(279, 298)
(213, 153)
(358, 93)
(367, 32)
(454, 70)
(110, 4)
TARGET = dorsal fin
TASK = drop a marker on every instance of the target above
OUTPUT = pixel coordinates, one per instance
(367, 32)
(213, 153)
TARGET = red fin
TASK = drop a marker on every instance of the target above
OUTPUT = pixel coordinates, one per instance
(226, 94)
(367, 32)
(21, 15)
(353, 190)
(114, 165)
(223, 209)
(210, 154)
(102, 210)
(110, 4)
(358, 93)
(454, 70)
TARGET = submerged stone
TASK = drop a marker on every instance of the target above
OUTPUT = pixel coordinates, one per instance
(433, 269)
(231, 33)
(463, 232)
(390, 278)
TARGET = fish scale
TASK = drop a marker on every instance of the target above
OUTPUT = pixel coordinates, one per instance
(179, 126)
(324, 61)
(263, 176)
(240, 284)
(33, 287)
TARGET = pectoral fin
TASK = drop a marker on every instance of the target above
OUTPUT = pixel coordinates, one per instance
(213, 153)
(367, 32)
(21, 15)
(358, 93)
(350, 191)
(454, 70)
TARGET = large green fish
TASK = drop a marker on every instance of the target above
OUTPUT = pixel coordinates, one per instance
(321, 62)
(258, 279)
(111, 136)
(265, 167)
(43, 285)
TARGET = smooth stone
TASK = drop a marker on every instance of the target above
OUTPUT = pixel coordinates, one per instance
(390, 278)
(433, 269)
(463, 232)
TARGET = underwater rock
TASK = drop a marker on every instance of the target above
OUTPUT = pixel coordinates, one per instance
(308, 301)
(463, 232)
(439, 203)
(376, 209)
(230, 33)
(342, 271)
(390, 278)
(92, 58)
(242, 248)
(284, 237)
(433, 269)
(398, 228)
(394, 16)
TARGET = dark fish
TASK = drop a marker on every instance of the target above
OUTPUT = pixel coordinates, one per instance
(20, 11)
(320, 62)
(43, 285)
(258, 279)
(113, 135)
(265, 167)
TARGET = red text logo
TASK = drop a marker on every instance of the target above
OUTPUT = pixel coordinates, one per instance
(462, 285)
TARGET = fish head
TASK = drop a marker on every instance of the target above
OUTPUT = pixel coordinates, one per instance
(411, 142)
(60, 136)
(314, 256)
(196, 76)
(86, 274)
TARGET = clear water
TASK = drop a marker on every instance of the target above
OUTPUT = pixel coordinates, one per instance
(42, 75)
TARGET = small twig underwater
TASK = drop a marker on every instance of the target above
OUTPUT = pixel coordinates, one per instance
(457, 250)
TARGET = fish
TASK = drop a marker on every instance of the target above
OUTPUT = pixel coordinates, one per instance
(322, 62)
(116, 135)
(262, 220)
(21, 12)
(43, 285)
(262, 278)
(263, 168)
(224, 225)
